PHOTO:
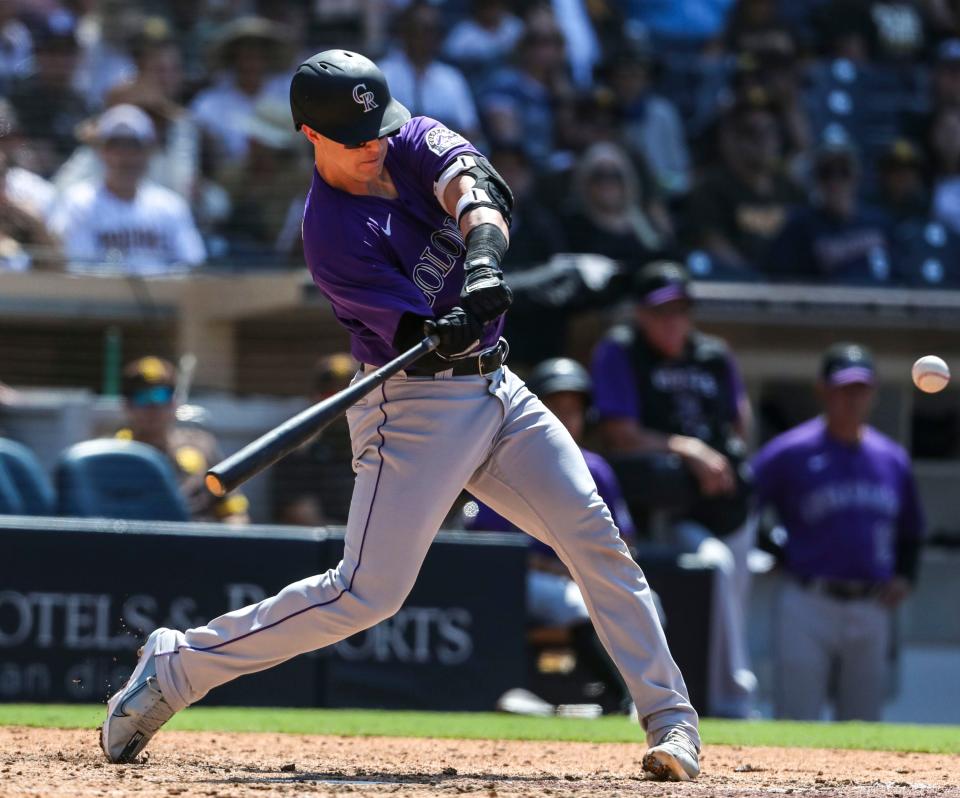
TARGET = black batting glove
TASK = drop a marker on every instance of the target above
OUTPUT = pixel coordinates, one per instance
(484, 292)
(459, 333)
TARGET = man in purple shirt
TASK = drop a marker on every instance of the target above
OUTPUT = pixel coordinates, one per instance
(662, 388)
(846, 496)
(404, 230)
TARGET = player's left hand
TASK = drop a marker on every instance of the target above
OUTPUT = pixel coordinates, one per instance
(485, 295)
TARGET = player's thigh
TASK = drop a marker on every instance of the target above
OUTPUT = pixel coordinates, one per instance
(864, 666)
(537, 479)
(410, 468)
(802, 653)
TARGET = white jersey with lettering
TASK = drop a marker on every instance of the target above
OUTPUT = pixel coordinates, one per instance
(151, 234)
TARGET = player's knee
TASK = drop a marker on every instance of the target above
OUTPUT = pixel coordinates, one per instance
(372, 609)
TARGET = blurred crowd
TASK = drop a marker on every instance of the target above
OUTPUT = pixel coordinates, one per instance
(754, 139)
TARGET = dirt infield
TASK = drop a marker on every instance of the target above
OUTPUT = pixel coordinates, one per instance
(51, 762)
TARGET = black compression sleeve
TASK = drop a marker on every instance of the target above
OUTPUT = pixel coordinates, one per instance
(485, 240)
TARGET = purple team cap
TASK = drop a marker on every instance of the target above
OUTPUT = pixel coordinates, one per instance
(660, 282)
(846, 364)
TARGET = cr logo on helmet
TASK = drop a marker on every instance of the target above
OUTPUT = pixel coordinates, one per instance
(364, 98)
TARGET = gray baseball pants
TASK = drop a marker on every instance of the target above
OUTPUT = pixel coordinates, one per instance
(816, 634)
(417, 442)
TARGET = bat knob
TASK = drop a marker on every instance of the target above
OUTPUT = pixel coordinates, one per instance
(215, 485)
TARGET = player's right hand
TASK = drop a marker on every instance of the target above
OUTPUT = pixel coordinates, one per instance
(459, 333)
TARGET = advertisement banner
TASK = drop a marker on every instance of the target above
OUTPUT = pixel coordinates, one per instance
(77, 597)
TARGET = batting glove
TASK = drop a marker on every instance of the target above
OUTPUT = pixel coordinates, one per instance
(459, 333)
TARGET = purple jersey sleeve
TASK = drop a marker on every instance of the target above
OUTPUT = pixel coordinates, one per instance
(912, 523)
(427, 147)
(614, 383)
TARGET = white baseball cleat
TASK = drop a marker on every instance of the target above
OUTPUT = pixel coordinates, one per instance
(674, 758)
(137, 711)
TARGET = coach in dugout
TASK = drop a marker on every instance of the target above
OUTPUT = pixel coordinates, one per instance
(148, 387)
(846, 496)
(665, 391)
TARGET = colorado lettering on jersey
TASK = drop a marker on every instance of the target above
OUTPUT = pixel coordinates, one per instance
(438, 258)
(835, 497)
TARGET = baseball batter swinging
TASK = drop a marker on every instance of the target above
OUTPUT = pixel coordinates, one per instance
(404, 229)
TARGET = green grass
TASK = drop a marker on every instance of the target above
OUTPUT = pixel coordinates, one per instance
(869, 736)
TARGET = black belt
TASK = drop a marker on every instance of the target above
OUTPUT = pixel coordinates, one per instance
(840, 589)
(485, 363)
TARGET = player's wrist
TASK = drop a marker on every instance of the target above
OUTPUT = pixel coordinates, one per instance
(486, 248)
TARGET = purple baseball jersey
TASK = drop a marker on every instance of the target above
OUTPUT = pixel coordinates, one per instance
(615, 393)
(486, 520)
(375, 258)
(845, 507)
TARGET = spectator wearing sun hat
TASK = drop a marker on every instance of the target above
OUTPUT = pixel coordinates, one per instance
(250, 57)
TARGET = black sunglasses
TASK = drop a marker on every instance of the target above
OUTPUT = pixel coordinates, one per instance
(362, 144)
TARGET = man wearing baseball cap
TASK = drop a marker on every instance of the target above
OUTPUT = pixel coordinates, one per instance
(845, 495)
(662, 388)
(148, 387)
(124, 221)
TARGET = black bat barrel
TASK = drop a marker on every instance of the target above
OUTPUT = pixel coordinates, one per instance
(280, 441)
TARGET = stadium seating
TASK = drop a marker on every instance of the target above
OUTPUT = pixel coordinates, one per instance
(118, 479)
(10, 501)
(28, 478)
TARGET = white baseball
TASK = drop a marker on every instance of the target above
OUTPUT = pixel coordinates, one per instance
(930, 374)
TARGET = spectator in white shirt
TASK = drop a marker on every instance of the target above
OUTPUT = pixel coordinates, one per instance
(426, 86)
(124, 222)
(252, 56)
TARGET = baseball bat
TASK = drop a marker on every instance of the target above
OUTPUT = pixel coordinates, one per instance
(283, 439)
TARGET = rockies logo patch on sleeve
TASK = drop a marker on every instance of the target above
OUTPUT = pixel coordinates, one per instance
(441, 139)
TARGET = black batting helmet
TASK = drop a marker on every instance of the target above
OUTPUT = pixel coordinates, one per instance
(559, 374)
(344, 96)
